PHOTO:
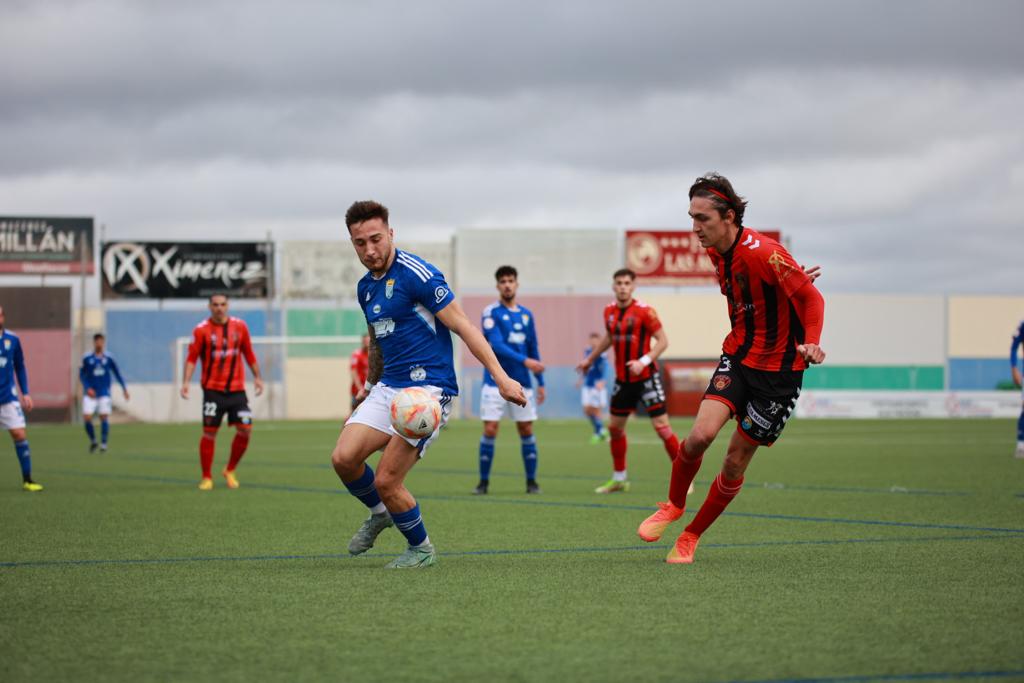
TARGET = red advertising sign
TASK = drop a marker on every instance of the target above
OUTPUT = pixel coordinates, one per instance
(672, 257)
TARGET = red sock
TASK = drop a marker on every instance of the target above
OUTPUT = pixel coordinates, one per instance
(206, 445)
(618, 444)
(721, 494)
(669, 440)
(683, 472)
(238, 446)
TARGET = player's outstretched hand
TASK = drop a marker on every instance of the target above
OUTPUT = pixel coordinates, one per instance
(91, 393)
(534, 366)
(583, 366)
(127, 396)
(814, 272)
(184, 391)
(26, 403)
(1016, 376)
(259, 385)
(512, 392)
(811, 353)
(541, 395)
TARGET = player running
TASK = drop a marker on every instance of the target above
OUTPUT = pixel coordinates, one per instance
(12, 418)
(511, 331)
(359, 367)
(593, 395)
(411, 312)
(777, 315)
(1018, 339)
(221, 342)
(630, 325)
(96, 374)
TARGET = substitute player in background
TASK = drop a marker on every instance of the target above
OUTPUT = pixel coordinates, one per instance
(1018, 339)
(96, 374)
(411, 313)
(359, 367)
(630, 326)
(777, 316)
(222, 343)
(593, 394)
(511, 331)
(12, 417)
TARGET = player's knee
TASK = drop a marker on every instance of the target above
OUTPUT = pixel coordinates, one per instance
(243, 431)
(344, 462)
(525, 429)
(210, 434)
(388, 484)
(699, 440)
(616, 432)
(734, 465)
(490, 429)
(18, 434)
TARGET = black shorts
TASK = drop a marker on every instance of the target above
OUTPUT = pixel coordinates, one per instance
(761, 400)
(650, 392)
(217, 403)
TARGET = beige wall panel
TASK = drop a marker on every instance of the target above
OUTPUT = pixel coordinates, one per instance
(695, 324)
(317, 388)
(884, 330)
(982, 326)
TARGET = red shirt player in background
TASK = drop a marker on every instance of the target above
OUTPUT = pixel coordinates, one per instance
(630, 325)
(776, 315)
(222, 342)
(359, 370)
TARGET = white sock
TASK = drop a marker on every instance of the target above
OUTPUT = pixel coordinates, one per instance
(378, 509)
(426, 541)
(619, 476)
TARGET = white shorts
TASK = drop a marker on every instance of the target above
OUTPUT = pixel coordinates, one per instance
(493, 407)
(375, 412)
(96, 404)
(11, 416)
(593, 397)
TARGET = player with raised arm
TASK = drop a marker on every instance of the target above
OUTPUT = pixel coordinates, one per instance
(13, 407)
(593, 395)
(222, 343)
(359, 368)
(97, 372)
(777, 316)
(511, 331)
(410, 312)
(630, 325)
(1018, 339)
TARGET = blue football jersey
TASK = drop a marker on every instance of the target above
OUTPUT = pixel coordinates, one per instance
(98, 372)
(597, 369)
(12, 366)
(400, 307)
(1018, 339)
(512, 334)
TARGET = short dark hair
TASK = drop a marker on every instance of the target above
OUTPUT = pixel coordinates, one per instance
(505, 271)
(624, 272)
(209, 299)
(719, 190)
(98, 335)
(365, 210)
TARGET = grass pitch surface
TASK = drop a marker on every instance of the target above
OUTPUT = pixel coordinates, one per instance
(857, 551)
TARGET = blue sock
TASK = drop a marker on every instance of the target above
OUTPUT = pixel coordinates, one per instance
(21, 448)
(90, 430)
(364, 489)
(486, 457)
(1020, 427)
(598, 425)
(528, 448)
(104, 430)
(410, 523)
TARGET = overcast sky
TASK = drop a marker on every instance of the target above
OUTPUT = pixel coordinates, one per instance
(884, 138)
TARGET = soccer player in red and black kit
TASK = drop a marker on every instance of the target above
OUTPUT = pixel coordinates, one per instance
(222, 342)
(776, 314)
(630, 325)
(359, 370)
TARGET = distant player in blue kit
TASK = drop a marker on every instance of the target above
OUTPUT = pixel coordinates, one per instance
(410, 312)
(511, 331)
(1018, 339)
(96, 374)
(593, 394)
(12, 418)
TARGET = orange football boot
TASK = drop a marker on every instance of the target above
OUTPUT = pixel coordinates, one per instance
(682, 551)
(654, 526)
(229, 477)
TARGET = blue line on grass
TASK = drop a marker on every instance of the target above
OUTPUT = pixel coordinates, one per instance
(487, 552)
(556, 503)
(868, 678)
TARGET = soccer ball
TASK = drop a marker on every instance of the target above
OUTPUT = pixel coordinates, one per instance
(415, 413)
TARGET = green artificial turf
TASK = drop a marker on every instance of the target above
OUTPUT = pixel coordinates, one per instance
(857, 551)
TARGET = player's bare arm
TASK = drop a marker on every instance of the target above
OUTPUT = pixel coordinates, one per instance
(186, 378)
(1017, 377)
(660, 344)
(257, 377)
(26, 403)
(375, 363)
(603, 345)
(454, 318)
(810, 307)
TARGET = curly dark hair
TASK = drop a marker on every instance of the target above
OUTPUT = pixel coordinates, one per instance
(719, 190)
(364, 211)
(505, 271)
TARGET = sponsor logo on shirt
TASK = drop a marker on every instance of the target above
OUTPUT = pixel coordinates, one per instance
(383, 327)
(439, 294)
(376, 308)
(488, 323)
(418, 374)
(759, 419)
(516, 337)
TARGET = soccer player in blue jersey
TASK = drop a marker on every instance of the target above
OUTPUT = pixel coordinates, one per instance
(96, 374)
(410, 312)
(593, 395)
(511, 331)
(12, 415)
(1018, 339)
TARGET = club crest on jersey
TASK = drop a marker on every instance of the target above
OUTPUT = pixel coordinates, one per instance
(526, 319)
(7, 344)
(720, 382)
(389, 288)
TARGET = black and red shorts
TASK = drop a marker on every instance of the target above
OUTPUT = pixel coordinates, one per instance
(217, 404)
(761, 400)
(650, 392)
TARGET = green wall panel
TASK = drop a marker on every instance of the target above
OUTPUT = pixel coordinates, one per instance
(323, 323)
(875, 377)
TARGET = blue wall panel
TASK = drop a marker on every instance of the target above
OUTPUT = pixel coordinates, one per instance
(979, 373)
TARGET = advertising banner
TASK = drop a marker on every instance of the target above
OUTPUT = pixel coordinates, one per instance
(672, 257)
(185, 270)
(40, 245)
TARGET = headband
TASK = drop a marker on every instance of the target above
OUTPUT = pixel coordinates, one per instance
(716, 193)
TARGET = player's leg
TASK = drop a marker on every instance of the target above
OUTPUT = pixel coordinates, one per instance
(88, 413)
(592, 409)
(239, 417)
(104, 411)
(618, 445)
(528, 449)
(663, 428)
(12, 418)
(1019, 453)
(399, 458)
(213, 415)
(492, 409)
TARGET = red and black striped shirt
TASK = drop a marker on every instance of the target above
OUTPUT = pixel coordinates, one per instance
(631, 329)
(221, 349)
(759, 279)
